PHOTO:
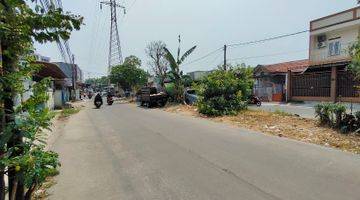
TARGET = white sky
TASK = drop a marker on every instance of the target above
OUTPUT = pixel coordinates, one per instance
(207, 23)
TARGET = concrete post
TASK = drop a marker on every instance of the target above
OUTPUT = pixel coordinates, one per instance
(333, 89)
(288, 86)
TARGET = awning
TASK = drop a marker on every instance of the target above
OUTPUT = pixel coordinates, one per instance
(50, 70)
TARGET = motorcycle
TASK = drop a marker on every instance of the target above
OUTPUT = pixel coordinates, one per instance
(98, 104)
(110, 100)
(255, 100)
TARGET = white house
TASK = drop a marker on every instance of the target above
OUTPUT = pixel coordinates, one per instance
(331, 36)
(327, 77)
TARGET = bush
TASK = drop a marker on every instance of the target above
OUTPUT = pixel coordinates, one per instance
(331, 114)
(170, 90)
(222, 93)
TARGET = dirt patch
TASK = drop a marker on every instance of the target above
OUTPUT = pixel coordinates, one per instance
(278, 124)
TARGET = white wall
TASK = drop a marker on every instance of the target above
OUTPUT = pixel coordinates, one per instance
(347, 36)
(58, 99)
(333, 20)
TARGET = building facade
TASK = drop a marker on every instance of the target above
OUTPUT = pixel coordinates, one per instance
(74, 76)
(327, 77)
(270, 80)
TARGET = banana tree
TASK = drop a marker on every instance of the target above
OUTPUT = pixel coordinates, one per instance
(175, 72)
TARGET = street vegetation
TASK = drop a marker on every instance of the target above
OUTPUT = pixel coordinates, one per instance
(129, 75)
(175, 73)
(23, 157)
(222, 93)
(67, 112)
(334, 115)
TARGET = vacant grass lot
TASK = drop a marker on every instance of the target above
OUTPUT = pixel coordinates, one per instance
(282, 125)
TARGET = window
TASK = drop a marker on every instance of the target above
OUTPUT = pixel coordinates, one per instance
(334, 48)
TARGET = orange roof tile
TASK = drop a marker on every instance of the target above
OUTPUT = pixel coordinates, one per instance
(294, 66)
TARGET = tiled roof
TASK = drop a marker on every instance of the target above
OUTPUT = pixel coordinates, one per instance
(294, 66)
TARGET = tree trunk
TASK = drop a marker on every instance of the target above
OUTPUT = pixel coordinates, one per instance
(12, 192)
(2, 123)
(30, 192)
(9, 66)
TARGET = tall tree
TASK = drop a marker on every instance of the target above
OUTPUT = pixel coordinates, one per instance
(20, 25)
(158, 63)
(175, 72)
(129, 75)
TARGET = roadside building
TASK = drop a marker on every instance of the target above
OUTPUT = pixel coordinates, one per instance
(327, 79)
(57, 91)
(56, 76)
(74, 76)
(270, 80)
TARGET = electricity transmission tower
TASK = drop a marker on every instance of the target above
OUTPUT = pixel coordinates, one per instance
(115, 55)
(63, 45)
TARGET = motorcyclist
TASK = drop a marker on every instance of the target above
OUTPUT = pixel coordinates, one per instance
(98, 98)
(109, 95)
(109, 98)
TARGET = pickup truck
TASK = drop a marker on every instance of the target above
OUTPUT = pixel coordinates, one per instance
(149, 96)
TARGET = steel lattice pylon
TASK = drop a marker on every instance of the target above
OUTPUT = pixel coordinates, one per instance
(63, 45)
(115, 54)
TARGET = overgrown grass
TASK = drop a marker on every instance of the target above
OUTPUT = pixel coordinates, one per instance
(281, 113)
(67, 112)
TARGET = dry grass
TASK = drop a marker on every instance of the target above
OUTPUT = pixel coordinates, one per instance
(282, 125)
(42, 193)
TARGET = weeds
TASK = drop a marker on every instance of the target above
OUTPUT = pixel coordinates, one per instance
(282, 113)
(68, 112)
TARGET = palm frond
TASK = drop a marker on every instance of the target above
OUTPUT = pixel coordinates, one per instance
(170, 58)
(186, 54)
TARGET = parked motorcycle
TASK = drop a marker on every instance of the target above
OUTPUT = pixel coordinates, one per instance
(255, 100)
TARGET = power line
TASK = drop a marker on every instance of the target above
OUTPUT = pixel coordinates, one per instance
(128, 10)
(132, 5)
(247, 43)
(203, 57)
(270, 55)
(267, 39)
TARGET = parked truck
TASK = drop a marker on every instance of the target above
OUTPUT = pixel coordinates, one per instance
(149, 96)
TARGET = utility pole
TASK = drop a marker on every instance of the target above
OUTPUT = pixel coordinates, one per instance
(73, 77)
(115, 54)
(225, 49)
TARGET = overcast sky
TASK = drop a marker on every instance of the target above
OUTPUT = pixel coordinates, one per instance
(208, 24)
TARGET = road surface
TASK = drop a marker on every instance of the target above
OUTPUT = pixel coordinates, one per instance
(124, 152)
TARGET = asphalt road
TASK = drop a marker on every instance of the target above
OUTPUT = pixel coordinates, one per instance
(126, 152)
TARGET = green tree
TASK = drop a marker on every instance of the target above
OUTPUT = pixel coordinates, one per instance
(175, 72)
(245, 74)
(129, 75)
(222, 93)
(21, 140)
(187, 80)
